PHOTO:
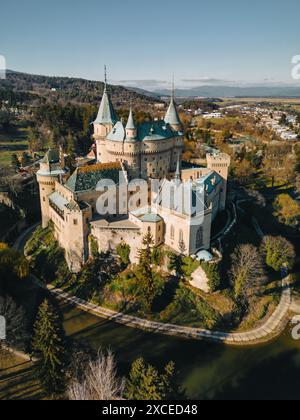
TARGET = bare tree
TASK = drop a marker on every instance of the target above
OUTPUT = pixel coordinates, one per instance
(247, 271)
(100, 382)
(14, 316)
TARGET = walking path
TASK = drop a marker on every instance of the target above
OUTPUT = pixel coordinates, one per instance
(272, 327)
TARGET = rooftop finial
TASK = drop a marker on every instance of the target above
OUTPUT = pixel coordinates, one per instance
(178, 172)
(173, 86)
(105, 76)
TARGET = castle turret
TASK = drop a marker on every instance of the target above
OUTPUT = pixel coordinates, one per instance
(105, 120)
(49, 173)
(131, 131)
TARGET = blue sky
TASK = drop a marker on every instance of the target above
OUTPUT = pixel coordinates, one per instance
(143, 42)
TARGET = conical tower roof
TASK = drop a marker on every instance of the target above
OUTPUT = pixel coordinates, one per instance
(106, 113)
(130, 123)
(172, 116)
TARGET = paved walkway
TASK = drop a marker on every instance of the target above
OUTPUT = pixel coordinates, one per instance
(272, 327)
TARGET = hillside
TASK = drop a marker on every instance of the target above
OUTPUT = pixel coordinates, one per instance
(25, 88)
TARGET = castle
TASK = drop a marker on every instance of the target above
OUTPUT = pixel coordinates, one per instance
(152, 150)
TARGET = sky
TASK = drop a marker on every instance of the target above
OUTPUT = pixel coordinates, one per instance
(143, 42)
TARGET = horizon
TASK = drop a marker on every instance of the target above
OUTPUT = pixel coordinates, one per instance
(198, 44)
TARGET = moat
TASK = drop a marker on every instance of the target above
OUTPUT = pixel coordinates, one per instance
(206, 371)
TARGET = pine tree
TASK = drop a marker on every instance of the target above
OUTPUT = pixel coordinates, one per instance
(48, 348)
(146, 383)
(149, 282)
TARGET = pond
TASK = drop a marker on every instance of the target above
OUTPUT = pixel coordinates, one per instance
(205, 370)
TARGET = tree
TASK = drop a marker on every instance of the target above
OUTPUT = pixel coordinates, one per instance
(100, 381)
(175, 263)
(48, 347)
(5, 119)
(146, 383)
(279, 252)
(283, 120)
(297, 184)
(15, 319)
(212, 272)
(287, 210)
(13, 266)
(123, 250)
(15, 163)
(247, 270)
(25, 160)
(150, 283)
(35, 141)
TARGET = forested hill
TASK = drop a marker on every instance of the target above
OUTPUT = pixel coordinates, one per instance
(22, 87)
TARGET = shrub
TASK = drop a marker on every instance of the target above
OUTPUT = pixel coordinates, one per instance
(212, 272)
(123, 250)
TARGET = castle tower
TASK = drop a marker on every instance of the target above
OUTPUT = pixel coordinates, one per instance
(172, 117)
(220, 163)
(50, 171)
(105, 120)
(131, 131)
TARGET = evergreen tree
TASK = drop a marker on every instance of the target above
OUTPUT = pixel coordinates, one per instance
(146, 383)
(175, 263)
(48, 348)
(213, 274)
(123, 250)
(149, 283)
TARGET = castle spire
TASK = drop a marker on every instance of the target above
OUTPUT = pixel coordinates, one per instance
(172, 116)
(106, 114)
(131, 131)
(130, 123)
(178, 173)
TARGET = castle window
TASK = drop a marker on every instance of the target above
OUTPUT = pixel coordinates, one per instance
(172, 232)
(181, 235)
(75, 221)
(199, 237)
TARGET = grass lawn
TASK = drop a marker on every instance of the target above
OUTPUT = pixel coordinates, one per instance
(15, 141)
(17, 379)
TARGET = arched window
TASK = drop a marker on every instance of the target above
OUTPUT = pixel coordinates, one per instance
(172, 232)
(181, 235)
(199, 238)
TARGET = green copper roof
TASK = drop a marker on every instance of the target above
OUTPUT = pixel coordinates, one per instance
(87, 178)
(151, 218)
(172, 116)
(155, 130)
(130, 123)
(148, 131)
(106, 113)
(117, 133)
(210, 181)
(52, 156)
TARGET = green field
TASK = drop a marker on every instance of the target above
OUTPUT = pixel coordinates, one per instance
(12, 142)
